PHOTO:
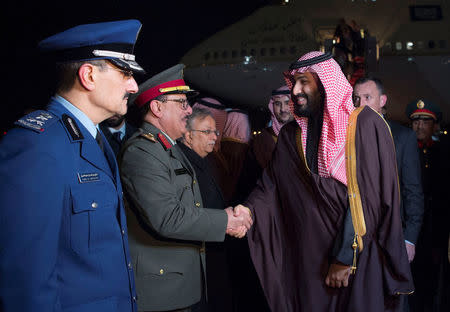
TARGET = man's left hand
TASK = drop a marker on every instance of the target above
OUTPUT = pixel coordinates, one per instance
(338, 275)
(411, 251)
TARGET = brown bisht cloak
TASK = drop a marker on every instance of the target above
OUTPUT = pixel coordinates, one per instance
(298, 214)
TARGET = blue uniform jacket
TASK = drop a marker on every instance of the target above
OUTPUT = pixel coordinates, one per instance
(63, 236)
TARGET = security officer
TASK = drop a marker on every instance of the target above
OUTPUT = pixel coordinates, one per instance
(430, 268)
(167, 222)
(63, 234)
(117, 130)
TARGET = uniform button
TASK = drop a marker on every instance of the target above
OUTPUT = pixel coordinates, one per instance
(424, 150)
(161, 272)
(94, 205)
(134, 298)
(123, 231)
(202, 249)
(129, 265)
(197, 204)
(194, 182)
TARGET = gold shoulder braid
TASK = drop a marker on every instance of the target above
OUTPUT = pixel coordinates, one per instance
(354, 195)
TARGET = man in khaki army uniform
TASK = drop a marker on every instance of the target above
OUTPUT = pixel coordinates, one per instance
(167, 222)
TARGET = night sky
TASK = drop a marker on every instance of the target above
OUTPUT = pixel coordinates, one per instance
(170, 29)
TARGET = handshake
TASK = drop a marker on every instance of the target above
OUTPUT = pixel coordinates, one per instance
(239, 221)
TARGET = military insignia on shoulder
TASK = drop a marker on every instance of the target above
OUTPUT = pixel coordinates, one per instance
(148, 136)
(420, 104)
(38, 120)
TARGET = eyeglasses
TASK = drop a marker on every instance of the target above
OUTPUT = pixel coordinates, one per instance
(184, 102)
(208, 132)
(126, 73)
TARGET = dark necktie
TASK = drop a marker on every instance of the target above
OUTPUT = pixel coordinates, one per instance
(117, 137)
(99, 140)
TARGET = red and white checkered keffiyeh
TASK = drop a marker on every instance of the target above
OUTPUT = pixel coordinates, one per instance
(237, 127)
(337, 109)
(276, 125)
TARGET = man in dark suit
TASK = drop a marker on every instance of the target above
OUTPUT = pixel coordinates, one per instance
(197, 143)
(168, 225)
(370, 91)
(117, 130)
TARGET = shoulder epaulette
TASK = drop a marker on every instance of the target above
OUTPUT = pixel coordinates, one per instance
(148, 136)
(38, 120)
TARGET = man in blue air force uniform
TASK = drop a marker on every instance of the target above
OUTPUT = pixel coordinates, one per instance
(63, 235)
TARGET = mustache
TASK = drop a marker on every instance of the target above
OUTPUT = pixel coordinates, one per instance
(300, 95)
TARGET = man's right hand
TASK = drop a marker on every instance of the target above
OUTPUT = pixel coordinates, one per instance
(239, 221)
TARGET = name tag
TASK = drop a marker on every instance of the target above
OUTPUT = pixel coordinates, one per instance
(88, 177)
(181, 171)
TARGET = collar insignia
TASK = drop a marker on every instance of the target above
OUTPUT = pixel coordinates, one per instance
(163, 140)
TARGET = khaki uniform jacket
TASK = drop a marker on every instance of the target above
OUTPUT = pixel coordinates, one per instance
(167, 222)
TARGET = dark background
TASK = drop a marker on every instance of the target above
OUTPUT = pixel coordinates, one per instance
(170, 29)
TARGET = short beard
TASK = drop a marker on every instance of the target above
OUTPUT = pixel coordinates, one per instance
(114, 121)
(302, 111)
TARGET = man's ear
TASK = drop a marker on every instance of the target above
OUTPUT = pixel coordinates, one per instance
(156, 107)
(383, 100)
(188, 138)
(86, 76)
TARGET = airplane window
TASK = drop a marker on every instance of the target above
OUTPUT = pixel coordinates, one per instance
(398, 45)
(431, 44)
(273, 51)
(442, 44)
(252, 52)
(409, 45)
(387, 46)
(293, 50)
(420, 44)
(207, 56)
(216, 55)
(243, 52)
(283, 50)
(234, 53)
(225, 54)
(262, 52)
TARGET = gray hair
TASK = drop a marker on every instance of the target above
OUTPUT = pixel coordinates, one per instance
(197, 114)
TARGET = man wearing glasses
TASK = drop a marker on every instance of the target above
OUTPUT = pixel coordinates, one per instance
(168, 224)
(63, 232)
(197, 143)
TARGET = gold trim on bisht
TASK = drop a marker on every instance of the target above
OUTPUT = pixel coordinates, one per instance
(354, 196)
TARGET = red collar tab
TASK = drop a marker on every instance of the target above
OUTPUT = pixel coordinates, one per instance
(428, 143)
(160, 89)
(163, 140)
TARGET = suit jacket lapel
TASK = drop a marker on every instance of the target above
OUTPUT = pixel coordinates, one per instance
(110, 157)
(89, 149)
(92, 153)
